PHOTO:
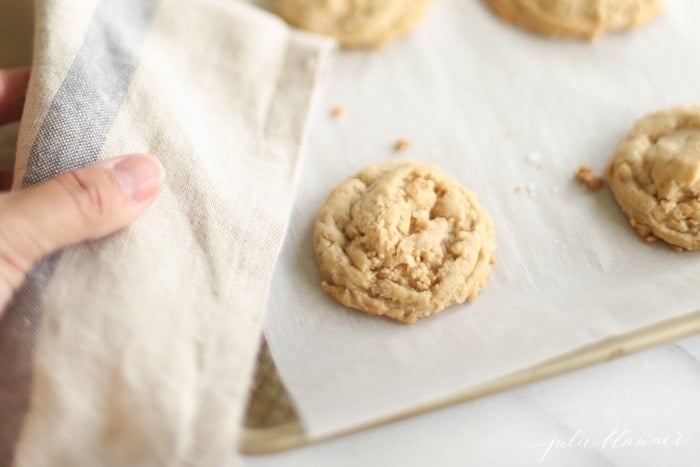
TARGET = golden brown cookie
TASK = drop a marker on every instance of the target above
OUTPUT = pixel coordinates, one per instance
(403, 240)
(576, 18)
(355, 23)
(655, 177)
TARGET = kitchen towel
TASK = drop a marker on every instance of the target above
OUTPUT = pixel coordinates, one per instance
(144, 343)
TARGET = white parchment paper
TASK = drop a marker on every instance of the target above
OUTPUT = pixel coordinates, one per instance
(499, 109)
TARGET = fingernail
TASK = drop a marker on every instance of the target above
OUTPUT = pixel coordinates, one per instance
(139, 175)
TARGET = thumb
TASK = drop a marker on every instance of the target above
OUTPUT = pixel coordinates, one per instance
(73, 207)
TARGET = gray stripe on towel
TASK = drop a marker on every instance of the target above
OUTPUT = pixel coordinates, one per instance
(72, 135)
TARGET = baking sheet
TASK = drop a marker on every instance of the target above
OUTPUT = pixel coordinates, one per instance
(499, 109)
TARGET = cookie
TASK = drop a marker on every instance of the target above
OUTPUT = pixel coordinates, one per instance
(403, 240)
(576, 18)
(355, 23)
(655, 177)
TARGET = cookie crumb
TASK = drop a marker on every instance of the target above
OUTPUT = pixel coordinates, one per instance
(337, 111)
(644, 231)
(517, 189)
(641, 229)
(402, 145)
(584, 175)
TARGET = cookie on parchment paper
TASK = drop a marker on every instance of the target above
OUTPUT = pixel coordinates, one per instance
(576, 18)
(655, 177)
(355, 23)
(403, 240)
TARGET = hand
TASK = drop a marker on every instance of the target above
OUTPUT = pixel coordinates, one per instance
(85, 204)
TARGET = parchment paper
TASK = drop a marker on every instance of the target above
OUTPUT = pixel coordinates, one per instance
(499, 109)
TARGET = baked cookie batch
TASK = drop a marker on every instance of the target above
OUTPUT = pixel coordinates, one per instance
(406, 240)
(373, 23)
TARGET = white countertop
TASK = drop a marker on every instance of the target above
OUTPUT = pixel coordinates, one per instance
(640, 410)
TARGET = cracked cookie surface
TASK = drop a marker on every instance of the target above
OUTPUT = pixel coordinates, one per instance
(576, 18)
(655, 177)
(355, 23)
(403, 240)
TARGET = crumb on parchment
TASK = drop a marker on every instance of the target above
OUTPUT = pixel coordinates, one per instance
(337, 111)
(584, 175)
(402, 145)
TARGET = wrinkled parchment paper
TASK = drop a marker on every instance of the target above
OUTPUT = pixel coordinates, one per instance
(499, 109)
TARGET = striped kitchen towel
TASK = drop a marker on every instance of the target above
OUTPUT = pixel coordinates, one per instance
(142, 345)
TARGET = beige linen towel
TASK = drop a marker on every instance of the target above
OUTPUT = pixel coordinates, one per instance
(147, 339)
